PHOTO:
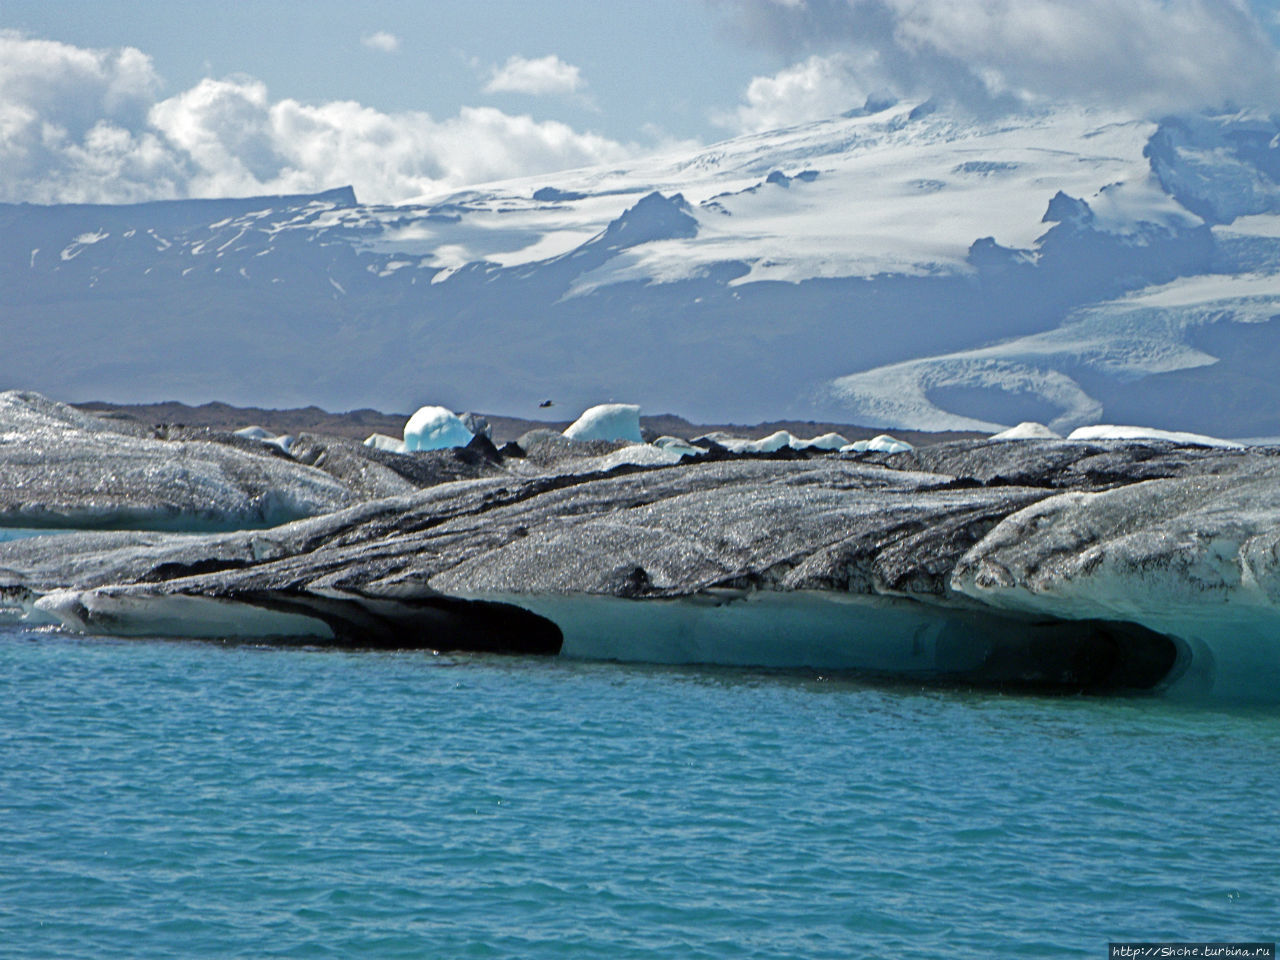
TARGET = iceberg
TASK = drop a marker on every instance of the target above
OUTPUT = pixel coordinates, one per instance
(1084, 565)
(60, 467)
(1027, 430)
(887, 444)
(827, 441)
(283, 441)
(1196, 558)
(607, 421)
(640, 455)
(881, 444)
(679, 445)
(1111, 432)
(384, 442)
(435, 428)
(770, 444)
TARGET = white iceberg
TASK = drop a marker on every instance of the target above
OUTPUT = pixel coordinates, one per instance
(828, 441)
(881, 444)
(770, 444)
(608, 421)
(384, 442)
(284, 441)
(679, 446)
(1027, 430)
(640, 455)
(435, 428)
(1106, 431)
(887, 444)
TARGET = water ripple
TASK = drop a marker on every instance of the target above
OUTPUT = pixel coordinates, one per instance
(207, 801)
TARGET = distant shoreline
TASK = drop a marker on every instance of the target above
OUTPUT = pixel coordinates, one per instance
(358, 424)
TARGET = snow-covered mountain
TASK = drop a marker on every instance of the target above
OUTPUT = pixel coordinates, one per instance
(896, 266)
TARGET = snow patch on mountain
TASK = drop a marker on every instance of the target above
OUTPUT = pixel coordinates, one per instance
(869, 194)
(1219, 167)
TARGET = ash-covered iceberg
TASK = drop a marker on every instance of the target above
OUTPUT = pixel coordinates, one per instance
(1195, 557)
(1071, 565)
(63, 468)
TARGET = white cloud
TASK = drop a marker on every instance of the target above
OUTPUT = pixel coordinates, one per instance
(536, 77)
(71, 117)
(382, 40)
(86, 126)
(1149, 56)
(818, 87)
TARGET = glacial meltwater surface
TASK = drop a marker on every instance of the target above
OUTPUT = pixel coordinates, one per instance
(182, 799)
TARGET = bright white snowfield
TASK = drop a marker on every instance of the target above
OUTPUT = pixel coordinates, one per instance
(898, 267)
(889, 194)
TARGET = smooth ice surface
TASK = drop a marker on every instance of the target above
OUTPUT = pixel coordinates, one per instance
(770, 444)
(1114, 432)
(823, 630)
(677, 445)
(879, 444)
(435, 428)
(175, 616)
(1027, 430)
(382, 441)
(640, 454)
(607, 421)
(827, 441)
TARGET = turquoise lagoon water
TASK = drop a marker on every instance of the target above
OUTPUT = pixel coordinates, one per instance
(22, 533)
(171, 799)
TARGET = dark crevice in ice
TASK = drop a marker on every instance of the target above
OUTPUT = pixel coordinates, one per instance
(417, 623)
(1077, 656)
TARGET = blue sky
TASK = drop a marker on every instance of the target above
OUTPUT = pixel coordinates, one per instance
(126, 100)
(668, 64)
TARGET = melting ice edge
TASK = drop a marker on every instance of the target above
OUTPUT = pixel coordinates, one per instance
(1130, 565)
